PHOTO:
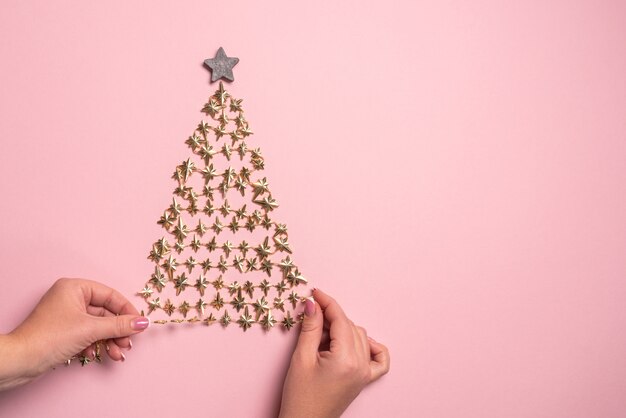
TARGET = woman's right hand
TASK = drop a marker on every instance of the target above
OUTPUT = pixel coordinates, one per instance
(333, 361)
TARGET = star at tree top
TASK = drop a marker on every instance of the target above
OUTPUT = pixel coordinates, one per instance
(221, 66)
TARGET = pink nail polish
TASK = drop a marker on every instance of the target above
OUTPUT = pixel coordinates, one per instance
(123, 357)
(139, 324)
(309, 307)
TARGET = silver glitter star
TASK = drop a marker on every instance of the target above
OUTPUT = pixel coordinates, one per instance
(221, 66)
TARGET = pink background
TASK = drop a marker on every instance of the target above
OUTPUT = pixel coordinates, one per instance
(453, 173)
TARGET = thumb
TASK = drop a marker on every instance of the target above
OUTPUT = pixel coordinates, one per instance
(312, 327)
(118, 326)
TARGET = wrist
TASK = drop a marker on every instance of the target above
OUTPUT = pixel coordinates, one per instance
(14, 367)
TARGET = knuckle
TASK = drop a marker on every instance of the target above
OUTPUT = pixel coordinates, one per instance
(386, 364)
(385, 351)
(128, 307)
(109, 298)
(357, 372)
(62, 281)
(350, 366)
(384, 347)
(308, 326)
(120, 326)
(299, 361)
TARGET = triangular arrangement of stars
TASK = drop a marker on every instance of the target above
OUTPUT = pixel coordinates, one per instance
(222, 257)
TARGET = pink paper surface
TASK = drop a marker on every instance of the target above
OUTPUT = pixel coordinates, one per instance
(454, 173)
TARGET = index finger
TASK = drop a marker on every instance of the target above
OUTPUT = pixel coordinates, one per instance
(97, 294)
(340, 327)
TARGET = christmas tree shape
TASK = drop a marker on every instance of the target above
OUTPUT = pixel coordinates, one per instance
(222, 258)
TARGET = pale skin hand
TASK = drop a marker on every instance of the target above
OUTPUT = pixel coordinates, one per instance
(333, 361)
(69, 319)
(329, 369)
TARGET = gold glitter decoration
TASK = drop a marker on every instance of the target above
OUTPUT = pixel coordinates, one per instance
(217, 228)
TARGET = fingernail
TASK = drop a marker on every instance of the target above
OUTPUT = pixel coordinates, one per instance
(123, 357)
(309, 307)
(106, 347)
(140, 323)
(93, 353)
(130, 344)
